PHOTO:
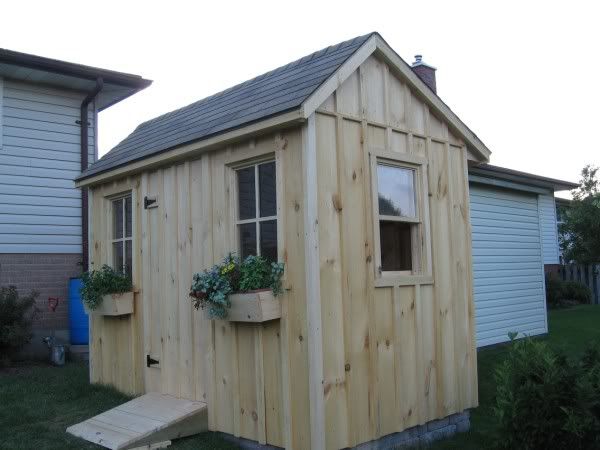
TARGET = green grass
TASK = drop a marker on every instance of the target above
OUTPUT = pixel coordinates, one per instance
(569, 329)
(38, 403)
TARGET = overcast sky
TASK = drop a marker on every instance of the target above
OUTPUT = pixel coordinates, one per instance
(523, 75)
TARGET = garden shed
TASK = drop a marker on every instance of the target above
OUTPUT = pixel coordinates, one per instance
(348, 168)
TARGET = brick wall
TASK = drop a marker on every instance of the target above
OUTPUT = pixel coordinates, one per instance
(47, 274)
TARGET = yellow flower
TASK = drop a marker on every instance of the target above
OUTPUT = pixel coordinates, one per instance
(228, 268)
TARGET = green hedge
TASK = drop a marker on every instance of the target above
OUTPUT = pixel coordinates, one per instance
(546, 400)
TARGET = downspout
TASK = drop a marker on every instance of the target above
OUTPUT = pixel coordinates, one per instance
(83, 123)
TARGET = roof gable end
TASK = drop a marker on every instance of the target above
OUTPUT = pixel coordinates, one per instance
(377, 45)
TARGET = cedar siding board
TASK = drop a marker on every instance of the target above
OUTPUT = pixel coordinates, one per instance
(39, 159)
(389, 354)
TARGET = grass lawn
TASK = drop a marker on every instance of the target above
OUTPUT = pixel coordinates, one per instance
(38, 403)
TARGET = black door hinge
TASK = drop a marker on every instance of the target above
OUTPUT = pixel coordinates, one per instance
(149, 201)
(151, 361)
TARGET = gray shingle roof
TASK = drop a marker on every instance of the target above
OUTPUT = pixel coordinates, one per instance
(272, 93)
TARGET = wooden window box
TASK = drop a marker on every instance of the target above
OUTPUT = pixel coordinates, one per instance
(113, 305)
(256, 306)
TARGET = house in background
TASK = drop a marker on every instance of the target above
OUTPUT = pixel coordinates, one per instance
(48, 134)
(514, 242)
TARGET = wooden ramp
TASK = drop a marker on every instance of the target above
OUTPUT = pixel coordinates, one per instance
(145, 422)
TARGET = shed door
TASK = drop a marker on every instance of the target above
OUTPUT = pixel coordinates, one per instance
(507, 264)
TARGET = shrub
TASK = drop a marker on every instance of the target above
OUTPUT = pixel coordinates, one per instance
(545, 400)
(98, 283)
(211, 288)
(564, 293)
(553, 291)
(577, 292)
(16, 315)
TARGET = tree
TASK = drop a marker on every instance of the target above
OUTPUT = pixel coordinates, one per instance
(580, 232)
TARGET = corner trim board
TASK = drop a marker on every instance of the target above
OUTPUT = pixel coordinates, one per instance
(313, 283)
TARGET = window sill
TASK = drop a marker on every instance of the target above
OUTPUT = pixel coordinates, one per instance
(402, 280)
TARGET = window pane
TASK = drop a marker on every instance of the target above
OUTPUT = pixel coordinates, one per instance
(247, 239)
(396, 191)
(128, 258)
(117, 218)
(246, 193)
(396, 246)
(268, 240)
(128, 216)
(266, 184)
(118, 255)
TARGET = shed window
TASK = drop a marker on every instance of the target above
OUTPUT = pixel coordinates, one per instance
(122, 242)
(397, 216)
(257, 210)
(400, 211)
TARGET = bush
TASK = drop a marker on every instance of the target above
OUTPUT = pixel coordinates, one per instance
(565, 293)
(545, 400)
(97, 283)
(16, 315)
(576, 292)
(211, 288)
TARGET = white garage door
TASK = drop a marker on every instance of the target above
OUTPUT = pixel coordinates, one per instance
(507, 264)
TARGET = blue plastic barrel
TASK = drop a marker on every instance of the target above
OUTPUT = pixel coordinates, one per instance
(78, 319)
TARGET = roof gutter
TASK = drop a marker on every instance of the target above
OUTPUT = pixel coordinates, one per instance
(84, 130)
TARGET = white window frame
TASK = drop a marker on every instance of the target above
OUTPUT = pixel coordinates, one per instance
(123, 239)
(256, 220)
(421, 272)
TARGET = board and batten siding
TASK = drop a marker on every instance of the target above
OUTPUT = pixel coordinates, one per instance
(507, 264)
(387, 356)
(40, 208)
(548, 226)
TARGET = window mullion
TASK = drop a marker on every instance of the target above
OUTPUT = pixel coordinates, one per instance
(123, 245)
(257, 206)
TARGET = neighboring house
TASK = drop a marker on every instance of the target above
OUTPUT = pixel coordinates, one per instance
(514, 241)
(43, 147)
(348, 168)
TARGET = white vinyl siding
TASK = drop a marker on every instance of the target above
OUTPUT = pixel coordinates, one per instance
(40, 208)
(508, 277)
(547, 210)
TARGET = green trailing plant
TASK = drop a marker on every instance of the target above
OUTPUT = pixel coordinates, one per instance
(546, 400)
(98, 283)
(211, 288)
(16, 316)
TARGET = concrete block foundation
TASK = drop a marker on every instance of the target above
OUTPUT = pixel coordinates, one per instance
(420, 435)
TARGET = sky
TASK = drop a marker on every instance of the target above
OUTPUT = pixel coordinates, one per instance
(523, 75)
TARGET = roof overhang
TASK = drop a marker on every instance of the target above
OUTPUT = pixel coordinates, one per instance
(281, 121)
(377, 45)
(502, 176)
(25, 67)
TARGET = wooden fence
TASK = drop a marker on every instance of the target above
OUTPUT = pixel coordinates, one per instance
(586, 274)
